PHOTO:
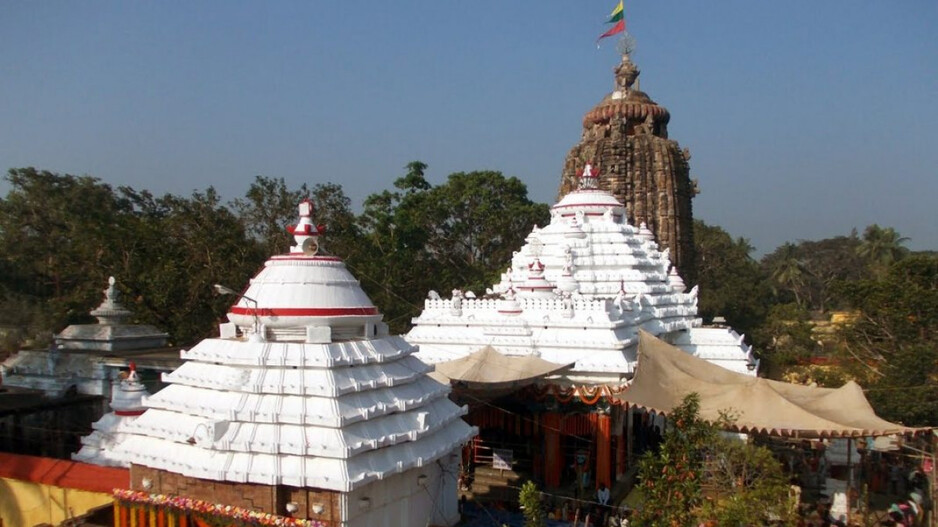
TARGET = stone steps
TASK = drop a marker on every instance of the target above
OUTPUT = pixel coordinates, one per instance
(491, 484)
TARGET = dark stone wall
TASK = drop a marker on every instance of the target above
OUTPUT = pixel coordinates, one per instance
(626, 139)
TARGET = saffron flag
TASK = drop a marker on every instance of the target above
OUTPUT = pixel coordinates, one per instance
(617, 17)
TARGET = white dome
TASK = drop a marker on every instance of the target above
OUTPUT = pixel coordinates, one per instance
(590, 202)
(305, 289)
(299, 291)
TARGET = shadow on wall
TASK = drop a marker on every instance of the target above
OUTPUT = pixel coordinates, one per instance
(10, 507)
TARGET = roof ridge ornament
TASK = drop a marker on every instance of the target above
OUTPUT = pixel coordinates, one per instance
(305, 232)
(675, 281)
(111, 312)
(588, 179)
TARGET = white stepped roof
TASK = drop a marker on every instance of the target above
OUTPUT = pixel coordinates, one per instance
(301, 440)
(300, 471)
(313, 393)
(229, 405)
(97, 447)
(114, 427)
(301, 354)
(321, 382)
(607, 278)
(719, 345)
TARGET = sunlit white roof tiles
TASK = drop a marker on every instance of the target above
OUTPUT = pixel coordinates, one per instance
(720, 345)
(577, 291)
(305, 387)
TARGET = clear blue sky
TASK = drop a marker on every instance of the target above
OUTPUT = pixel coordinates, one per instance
(805, 118)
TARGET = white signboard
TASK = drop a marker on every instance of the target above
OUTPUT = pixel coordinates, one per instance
(501, 458)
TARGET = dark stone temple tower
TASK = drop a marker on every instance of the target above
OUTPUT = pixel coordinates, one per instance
(625, 137)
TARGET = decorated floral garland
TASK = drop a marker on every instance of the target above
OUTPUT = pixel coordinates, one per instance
(203, 507)
(586, 394)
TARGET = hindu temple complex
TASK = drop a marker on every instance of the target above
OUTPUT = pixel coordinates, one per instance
(625, 136)
(304, 411)
(574, 298)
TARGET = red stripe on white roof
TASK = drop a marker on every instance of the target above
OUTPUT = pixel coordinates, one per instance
(305, 311)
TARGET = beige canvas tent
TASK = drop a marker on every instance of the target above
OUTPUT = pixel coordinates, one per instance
(665, 375)
(489, 370)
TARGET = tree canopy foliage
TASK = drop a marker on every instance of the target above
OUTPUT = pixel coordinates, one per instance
(731, 282)
(805, 272)
(698, 475)
(784, 302)
(61, 236)
(455, 235)
(892, 344)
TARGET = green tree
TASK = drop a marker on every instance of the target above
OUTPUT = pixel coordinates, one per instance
(881, 247)
(269, 206)
(476, 221)
(829, 261)
(60, 238)
(394, 268)
(455, 235)
(671, 478)
(789, 272)
(806, 271)
(731, 282)
(785, 339)
(266, 209)
(699, 475)
(892, 345)
(334, 211)
(181, 247)
(530, 499)
(745, 485)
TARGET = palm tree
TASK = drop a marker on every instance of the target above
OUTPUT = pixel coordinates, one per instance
(788, 270)
(881, 247)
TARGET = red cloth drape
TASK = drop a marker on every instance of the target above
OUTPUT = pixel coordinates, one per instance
(603, 449)
(552, 454)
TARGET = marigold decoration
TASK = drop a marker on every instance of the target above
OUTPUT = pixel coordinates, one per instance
(246, 516)
(585, 394)
(590, 398)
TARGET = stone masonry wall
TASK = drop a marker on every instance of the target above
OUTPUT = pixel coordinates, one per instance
(652, 177)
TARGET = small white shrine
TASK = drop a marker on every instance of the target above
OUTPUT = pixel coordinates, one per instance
(126, 404)
(577, 292)
(77, 359)
(306, 394)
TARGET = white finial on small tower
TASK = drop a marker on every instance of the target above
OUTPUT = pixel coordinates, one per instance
(305, 232)
(111, 312)
(589, 180)
(676, 282)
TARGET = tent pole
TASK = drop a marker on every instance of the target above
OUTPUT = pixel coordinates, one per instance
(934, 478)
(849, 474)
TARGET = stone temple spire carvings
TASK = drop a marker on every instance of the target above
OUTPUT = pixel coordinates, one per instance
(625, 137)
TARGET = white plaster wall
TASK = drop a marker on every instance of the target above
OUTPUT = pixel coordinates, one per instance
(400, 501)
